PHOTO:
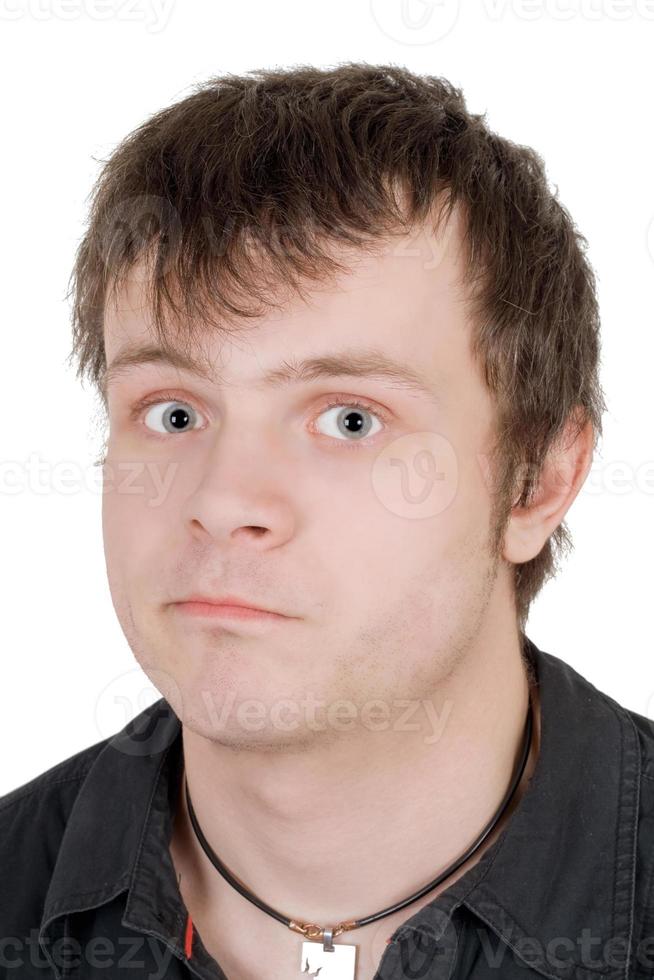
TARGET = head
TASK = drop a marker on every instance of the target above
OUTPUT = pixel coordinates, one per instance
(349, 218)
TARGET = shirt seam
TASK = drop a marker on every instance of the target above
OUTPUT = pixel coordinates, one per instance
(640, 970)
(624, 719)
(635, 801)
(35, 789)
(123, 882)
(139, 850)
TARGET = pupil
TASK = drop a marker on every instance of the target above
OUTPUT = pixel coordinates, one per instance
(179, 417)
(348, 424)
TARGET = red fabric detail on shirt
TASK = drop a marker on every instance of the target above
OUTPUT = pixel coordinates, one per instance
(188, 938)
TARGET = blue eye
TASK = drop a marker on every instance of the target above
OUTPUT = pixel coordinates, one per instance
(176, 417)
(350, 419)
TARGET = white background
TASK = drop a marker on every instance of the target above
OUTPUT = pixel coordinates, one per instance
(571, 78)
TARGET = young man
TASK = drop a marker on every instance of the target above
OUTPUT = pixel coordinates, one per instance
(326, 515)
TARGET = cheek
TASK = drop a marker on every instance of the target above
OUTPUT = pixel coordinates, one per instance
(135, 514)
(423, 574)
(398, 521)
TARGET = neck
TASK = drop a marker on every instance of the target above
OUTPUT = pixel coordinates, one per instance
(372, 818)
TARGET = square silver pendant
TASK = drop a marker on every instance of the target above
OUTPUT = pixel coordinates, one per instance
(337, 964)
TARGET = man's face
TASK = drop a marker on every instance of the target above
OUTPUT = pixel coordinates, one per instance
(369, 526)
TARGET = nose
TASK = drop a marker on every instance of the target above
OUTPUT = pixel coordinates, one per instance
(241, 495)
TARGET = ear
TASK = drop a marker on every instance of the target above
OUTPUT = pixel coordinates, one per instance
(563, 474)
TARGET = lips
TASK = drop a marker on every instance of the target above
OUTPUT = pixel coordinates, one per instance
(230, 600)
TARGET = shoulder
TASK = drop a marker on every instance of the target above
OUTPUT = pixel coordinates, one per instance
(33, 819)
(72, 769)
(642, 729)
(645, 730)
(36, 797)
(639, 809)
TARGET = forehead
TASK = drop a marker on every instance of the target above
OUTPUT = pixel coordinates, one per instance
(405, 296)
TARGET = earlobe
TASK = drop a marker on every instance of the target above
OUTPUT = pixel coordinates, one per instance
(562, 475)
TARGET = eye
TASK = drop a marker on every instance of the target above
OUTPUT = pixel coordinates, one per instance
(171, 416)
(349, 419)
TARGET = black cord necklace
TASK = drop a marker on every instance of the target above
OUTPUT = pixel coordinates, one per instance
(343, 957)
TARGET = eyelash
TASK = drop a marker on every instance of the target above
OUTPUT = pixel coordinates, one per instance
(164, 396)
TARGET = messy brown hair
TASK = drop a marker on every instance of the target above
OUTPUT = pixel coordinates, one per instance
(298, 160)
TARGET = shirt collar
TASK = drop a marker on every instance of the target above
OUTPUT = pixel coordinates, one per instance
(118, 830)
(557, 885)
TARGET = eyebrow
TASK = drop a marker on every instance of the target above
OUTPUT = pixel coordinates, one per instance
(366, 362)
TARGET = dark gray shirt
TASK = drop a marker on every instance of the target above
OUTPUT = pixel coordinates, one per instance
(88, 888)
